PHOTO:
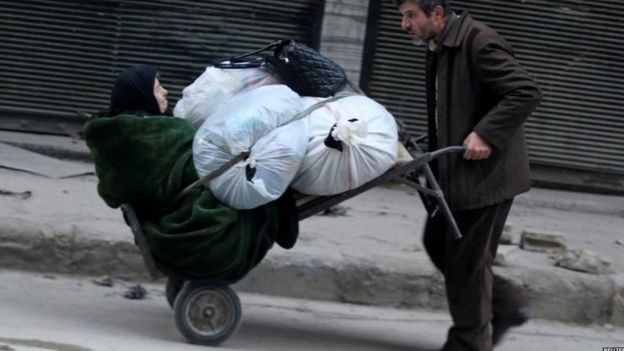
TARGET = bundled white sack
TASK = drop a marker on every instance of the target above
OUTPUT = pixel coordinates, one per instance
(266, 174)
(238, 126)
(352, 141)
(215, 87)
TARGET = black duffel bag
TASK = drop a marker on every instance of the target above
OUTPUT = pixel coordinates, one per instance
(303, 69)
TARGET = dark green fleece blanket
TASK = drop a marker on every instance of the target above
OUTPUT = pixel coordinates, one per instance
(146, 162)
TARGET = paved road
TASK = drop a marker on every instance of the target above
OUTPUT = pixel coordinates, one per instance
(60, 313)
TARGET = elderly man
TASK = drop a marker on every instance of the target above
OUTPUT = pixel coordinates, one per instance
(478, 95)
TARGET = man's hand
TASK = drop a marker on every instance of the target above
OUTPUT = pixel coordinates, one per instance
(476, 147)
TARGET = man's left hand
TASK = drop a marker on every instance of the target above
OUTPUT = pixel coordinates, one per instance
(476, 147)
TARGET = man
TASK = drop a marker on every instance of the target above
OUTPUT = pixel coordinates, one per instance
(478, 95)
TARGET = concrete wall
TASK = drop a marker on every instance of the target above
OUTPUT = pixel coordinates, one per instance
(343, 34)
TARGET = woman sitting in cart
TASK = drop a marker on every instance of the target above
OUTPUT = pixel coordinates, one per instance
(143, 158)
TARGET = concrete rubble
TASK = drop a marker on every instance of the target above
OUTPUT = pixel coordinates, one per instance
(585, 261)
(533, 240)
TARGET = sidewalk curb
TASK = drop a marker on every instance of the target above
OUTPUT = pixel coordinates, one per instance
(570, 206)
(30, 245)
(554, 293)
(61, 147)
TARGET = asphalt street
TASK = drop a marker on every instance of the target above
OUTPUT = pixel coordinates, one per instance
(55, 312)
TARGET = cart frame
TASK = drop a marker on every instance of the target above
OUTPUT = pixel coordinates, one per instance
(219, 306)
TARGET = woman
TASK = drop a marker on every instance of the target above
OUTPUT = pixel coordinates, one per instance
(138, 91)
(140, 161)
(147, 162)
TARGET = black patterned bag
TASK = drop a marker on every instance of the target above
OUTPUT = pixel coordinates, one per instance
(303, 69)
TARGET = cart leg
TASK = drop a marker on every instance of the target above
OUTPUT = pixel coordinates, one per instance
(442, 205)
(172, 289)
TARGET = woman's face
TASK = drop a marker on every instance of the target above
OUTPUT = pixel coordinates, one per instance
(161, 95)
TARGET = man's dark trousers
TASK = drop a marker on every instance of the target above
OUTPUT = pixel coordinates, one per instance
(475, 295)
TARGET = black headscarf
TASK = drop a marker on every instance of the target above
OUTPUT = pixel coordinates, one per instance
(133, 92)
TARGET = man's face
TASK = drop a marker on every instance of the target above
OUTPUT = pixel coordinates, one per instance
(161, 96)
(414, 21)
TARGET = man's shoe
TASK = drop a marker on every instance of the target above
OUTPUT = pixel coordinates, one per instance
(501, 326)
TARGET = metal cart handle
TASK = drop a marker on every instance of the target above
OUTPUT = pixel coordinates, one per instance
(422, 158)
(447, 150)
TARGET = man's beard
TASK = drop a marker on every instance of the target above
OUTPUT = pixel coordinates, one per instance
(418, 42)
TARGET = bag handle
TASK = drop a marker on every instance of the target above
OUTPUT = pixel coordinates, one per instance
(257, 61)
(257, 51)
(226, 63)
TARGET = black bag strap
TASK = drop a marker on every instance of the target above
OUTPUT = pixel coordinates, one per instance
(253, 59)
(257, 51)
(227, 63)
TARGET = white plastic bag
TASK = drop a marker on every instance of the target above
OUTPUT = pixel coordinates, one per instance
(266, 174)
(251, 122)
(237, 125)
(216, 87)
(365, 132)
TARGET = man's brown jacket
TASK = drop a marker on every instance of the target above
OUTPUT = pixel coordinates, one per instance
(481, 87)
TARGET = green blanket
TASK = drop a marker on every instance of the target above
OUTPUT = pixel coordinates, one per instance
(146, 162)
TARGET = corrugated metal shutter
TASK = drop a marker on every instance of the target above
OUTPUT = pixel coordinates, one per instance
(574, 52)
(58, 56)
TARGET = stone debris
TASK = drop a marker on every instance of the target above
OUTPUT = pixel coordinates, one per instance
(507, 236)
(412, 248)
(136, 292)
(505, 254)
(585, 261)
(547, 242)
(24, 195)
(103, 281)
(335, 211)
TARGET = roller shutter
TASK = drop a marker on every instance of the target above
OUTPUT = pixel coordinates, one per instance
(60, 57)
(572, 48)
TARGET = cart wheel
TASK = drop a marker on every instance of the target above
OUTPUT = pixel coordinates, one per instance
(207, 315)
(172, 289)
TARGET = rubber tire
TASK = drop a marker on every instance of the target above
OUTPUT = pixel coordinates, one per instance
(224, 305)
(172, 289)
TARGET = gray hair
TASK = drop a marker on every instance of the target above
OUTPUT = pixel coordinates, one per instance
(427, 6)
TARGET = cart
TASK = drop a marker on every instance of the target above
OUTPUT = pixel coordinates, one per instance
(209, 314)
